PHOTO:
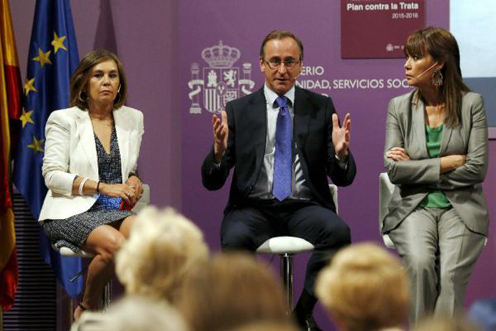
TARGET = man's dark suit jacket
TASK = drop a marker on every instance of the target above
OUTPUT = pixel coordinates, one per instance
(312, 132)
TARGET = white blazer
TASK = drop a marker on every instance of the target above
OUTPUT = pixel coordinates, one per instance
(70, 151)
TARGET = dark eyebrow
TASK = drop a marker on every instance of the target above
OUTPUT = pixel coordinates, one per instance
(285, 59)
(100, 71)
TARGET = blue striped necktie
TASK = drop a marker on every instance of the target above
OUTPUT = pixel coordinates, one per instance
(283, 156)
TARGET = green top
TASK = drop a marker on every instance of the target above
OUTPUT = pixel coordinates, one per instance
(436, 198)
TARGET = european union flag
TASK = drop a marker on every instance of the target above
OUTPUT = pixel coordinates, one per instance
(53, 57)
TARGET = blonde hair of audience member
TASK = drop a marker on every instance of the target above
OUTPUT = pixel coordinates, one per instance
(364, 288)
(446, 323)
(133, 314)
(162, 248)
(231, 290)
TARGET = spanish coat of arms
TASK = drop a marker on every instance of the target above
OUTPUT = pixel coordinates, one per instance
(222, 82)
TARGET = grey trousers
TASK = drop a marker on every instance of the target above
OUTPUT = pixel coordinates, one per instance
(439, 252)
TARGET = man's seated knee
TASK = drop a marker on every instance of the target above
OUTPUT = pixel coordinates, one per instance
(238, 241)
(342, 234)
(334, 236)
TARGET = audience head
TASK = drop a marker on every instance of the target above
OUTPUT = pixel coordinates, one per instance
(79, 84)
(231, 290)
(133, 314)
(162, 248)
(364, 288)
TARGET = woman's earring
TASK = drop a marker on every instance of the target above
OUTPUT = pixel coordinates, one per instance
(80, 98)
(117, 97)
(437, 78)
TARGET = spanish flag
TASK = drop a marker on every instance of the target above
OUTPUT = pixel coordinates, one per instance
(10, 108)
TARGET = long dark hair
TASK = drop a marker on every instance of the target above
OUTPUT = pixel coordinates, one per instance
(442, 46)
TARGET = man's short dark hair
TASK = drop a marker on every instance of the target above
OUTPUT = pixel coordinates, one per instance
(280, 34)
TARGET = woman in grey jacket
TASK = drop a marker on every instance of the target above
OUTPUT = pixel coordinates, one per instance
(437, 153)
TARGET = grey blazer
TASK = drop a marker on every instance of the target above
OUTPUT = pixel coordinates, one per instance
(405, 127)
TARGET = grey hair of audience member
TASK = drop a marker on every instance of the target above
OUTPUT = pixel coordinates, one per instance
(133, 314)
(162, 248)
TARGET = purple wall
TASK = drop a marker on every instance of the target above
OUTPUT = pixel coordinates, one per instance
(158, 42)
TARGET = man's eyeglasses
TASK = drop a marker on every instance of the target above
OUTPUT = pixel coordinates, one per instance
(276, 63)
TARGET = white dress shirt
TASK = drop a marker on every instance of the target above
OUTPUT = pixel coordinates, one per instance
(263, 186)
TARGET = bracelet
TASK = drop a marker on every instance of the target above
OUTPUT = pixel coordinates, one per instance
(98, 187)
(81, 185)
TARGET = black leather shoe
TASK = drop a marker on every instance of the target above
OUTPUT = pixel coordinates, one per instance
(308, 324)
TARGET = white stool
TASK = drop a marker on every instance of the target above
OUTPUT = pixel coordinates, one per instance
(286, 247)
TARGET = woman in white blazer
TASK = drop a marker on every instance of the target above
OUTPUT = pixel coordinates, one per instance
(437, 153)
(91, 154)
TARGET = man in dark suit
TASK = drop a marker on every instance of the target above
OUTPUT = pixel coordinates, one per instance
(283, 142)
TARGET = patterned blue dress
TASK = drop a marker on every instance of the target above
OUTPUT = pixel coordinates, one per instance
(73, 231)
